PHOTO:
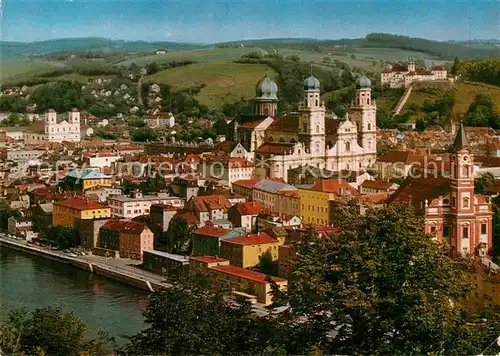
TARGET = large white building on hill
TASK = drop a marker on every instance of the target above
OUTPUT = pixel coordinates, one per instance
(313, 138)
(401, 75)
(58, 129)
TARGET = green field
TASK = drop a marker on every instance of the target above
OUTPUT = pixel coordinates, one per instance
(225, 81)
(24, 69)
(466, 92)
(200, 56)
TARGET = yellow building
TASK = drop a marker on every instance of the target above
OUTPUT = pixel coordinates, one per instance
(87, 178)
(315, 207)
(236, 280)
(245, 251)
(66, 212)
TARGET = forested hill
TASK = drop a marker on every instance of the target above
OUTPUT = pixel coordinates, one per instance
(444, 50)
(91, 44)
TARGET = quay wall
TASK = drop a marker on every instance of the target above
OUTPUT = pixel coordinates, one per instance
(111, 273)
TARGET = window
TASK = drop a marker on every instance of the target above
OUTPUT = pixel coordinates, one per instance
(348, 146)
(369, 126)
(446, 231)
(484, 228)
(465, 232)
(453, 201)
(317, 102)
(433, 230)
(465, 172)
(466, 203)
(317, 128)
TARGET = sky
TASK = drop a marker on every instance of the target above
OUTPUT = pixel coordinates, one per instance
(209, 21)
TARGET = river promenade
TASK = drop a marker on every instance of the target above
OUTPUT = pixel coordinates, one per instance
(123, 270)
(119, 269)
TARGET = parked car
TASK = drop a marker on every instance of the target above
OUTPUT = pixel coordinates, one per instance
(72, 255)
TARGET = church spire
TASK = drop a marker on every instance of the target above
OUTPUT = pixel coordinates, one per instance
(461, 140)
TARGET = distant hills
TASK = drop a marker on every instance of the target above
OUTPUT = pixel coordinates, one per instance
(443, 50)
(89, 44)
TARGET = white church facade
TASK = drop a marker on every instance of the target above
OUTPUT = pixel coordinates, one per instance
(65, 129)
(313, 138)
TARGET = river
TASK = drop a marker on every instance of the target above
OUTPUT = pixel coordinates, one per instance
(103, 304)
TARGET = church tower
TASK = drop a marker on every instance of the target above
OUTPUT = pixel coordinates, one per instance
(462, 195)
(266, 100)
(363, 112)
(312, 118)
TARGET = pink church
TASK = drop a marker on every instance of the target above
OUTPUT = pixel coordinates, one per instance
(453, 212)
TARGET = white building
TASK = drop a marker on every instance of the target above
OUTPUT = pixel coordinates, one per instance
(282, 143)
(401, 75)
(67, 129)
(137, 204)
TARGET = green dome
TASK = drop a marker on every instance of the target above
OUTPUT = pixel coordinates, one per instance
(267, 88)
(311, 83)
(364, 82)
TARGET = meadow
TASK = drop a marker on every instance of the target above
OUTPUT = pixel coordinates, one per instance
(225, 81)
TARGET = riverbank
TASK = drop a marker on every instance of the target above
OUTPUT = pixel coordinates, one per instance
(117, 269)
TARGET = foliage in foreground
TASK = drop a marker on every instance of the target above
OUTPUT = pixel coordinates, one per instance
(50, 331)
(382, 287)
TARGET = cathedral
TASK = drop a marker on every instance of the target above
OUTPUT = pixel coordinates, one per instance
(279, 143)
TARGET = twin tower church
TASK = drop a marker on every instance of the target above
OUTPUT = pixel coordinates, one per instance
(279, 143)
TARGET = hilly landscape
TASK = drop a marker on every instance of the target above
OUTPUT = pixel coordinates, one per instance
(221, 74)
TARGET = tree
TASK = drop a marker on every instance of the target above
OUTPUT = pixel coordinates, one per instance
(64, 237)
(293, 57)
(485, 183)
(340, 110)
(266, 264)
(382, 287)
(50, 331)
(179, 236)
(5, 213)
(455, 68)
(192, 319)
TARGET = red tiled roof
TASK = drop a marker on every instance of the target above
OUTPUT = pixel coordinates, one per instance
(416, 190)
(212, 231)
(247, 274)
(406, 157)
(125, 226)
(485, 161)
(81, 204)
(252, 239)
(376, 184)
(376, 198)
(190, 218)
(226, 146)
(275, 148)
(334, 186)
(249, 208)
(247, 183)
(439, 68)
(211, 202)
(251, 124)
(208, 259)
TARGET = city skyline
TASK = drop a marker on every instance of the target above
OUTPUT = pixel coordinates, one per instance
(209, 22)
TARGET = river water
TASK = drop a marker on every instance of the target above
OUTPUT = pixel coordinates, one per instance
(103, 304)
